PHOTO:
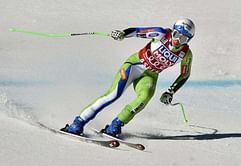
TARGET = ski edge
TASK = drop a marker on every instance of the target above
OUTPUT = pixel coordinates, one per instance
(105, 143)
(137, 146)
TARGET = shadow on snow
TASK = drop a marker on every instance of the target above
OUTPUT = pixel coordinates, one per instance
(191, 137)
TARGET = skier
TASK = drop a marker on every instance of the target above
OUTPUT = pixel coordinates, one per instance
(166, 48)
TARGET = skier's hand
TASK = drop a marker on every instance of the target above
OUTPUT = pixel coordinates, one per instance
(166, 97)
(117, 35)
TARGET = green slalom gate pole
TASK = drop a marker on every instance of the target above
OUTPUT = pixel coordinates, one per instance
(54, 35)
(183, 111)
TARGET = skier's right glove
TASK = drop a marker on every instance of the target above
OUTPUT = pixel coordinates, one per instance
(117, 35)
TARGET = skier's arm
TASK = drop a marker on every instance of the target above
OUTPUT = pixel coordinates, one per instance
(147, 32)
(186, 64)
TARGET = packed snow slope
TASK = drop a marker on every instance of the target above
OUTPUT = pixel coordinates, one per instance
(49, 80)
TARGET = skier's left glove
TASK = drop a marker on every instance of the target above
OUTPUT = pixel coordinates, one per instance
(166, 97)
(117, 35)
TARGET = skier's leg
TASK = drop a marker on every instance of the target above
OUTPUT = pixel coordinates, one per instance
(123, 79)
(113, 93)
(89, 112)
(145, 88)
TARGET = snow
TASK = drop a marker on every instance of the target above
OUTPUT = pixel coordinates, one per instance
(51, 79)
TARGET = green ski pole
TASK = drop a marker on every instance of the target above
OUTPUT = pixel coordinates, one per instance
(54, 35)
(183, 111)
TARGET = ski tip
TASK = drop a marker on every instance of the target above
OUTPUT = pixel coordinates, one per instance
(114, 144)
(140, 147)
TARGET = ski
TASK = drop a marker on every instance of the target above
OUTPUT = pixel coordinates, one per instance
(129, 144)
(111, 143)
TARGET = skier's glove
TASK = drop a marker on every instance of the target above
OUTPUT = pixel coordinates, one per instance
(117, 35)
(166, 97)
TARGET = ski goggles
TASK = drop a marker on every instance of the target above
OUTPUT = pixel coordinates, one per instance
(178, 36)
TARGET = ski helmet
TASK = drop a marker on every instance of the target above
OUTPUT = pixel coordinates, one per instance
(186, 27)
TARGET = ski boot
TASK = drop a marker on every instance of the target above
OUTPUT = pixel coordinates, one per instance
(76, 127)
(114, 129)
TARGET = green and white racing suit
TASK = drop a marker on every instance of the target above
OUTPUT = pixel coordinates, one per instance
(142, 69)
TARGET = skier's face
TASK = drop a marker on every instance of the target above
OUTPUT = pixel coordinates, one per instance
(178, 39)
(175, 43)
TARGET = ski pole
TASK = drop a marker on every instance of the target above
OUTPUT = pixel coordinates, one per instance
(54, 35)
(183, 111)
